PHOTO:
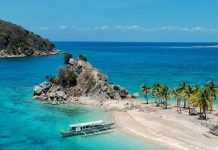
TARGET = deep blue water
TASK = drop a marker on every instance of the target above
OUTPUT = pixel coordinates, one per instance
(132, 64)
(27, 124)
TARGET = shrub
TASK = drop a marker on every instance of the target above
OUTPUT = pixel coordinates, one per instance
(62, 76)
(67, 77)
(82, 57)
(52, 79)
(71, 77)
(67, 57)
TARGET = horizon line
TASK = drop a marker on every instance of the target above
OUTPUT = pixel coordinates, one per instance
(126, 41)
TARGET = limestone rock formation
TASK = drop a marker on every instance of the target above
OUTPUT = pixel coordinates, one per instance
(90, 82)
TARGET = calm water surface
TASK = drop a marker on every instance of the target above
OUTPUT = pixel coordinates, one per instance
(27, 124)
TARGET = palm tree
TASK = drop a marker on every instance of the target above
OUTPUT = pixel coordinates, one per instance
(196, 88)
(177, 95)
(183, 89)
(188, 92)
(145, 90)
(155, 90)
(202, 99)
(165, 94)
(212, 87)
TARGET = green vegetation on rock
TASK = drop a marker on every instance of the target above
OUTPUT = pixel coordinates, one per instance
(65, 77)
(82, 57)
(67, 58)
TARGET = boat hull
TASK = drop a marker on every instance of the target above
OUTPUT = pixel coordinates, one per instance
(67, 133)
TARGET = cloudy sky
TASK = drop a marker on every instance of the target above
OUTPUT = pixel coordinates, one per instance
(116, 20)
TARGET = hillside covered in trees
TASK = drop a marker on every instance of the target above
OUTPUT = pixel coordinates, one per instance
(17, 41)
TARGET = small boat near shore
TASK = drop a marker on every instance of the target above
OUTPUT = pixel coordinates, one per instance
(88, 128)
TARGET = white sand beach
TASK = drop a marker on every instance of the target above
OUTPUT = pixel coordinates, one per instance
(159, 126)
(167, 129)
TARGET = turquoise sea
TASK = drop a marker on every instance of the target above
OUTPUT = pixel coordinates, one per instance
(28, 124)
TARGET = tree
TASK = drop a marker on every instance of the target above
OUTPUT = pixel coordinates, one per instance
(212, 87)
(82, 57)
(52, 79)
(188, 92)
(155, 91)
(67, 77)
(67, 58)
(202, 99)
(196, 88)
(145, 90)
(71, 78)
(183, 89)
(62, 76)
(176, 93)
(166, 94)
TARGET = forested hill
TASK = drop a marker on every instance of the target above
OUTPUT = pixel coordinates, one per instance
(17, 41)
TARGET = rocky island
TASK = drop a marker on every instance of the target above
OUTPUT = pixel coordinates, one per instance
(16, 41)
(79, 82)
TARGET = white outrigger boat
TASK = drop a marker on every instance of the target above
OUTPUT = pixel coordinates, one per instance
(88, 128)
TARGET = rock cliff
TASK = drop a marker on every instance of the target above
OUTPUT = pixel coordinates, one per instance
(90, 82)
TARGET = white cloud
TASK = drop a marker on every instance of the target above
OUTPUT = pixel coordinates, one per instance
(141, 28)
(187, 29)
(196, 29)
(117, 27)
(43, 28)
(63, 27)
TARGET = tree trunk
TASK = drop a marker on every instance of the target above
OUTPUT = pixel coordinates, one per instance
(184, 103)
(211, 108)
(180, 109)
(146, 98)
(166, 104)
(205, 115)
(177, 106)
(200, 112)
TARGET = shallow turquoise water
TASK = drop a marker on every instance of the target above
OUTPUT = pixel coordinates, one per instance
(27, 124)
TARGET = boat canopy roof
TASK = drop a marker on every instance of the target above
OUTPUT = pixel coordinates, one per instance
(98, 122)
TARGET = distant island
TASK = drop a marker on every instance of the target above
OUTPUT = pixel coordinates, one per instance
(16, 41)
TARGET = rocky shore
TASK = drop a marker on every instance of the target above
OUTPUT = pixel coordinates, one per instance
(90, 83)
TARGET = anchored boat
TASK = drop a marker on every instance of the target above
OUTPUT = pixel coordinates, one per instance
(87, 128)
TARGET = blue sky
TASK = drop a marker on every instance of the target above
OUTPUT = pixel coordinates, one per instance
(116, 20)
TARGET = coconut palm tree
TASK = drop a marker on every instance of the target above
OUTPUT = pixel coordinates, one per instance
(196, 88)
(176, 93)
(183, 89)
(187, 93)
(155, 90)
(145, 90)
(212, 87)
(165, 94)
(202, 99)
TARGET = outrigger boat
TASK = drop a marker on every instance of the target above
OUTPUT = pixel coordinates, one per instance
(87, 128)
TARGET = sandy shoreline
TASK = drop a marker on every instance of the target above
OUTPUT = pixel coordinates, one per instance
(167, 129)
(158, 126)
